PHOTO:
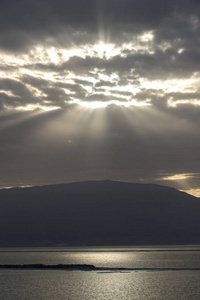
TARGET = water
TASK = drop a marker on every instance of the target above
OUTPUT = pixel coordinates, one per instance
(110, 284)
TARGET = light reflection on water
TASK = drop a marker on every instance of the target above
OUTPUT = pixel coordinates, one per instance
(103, 257)
(90, 285)
(81, 285)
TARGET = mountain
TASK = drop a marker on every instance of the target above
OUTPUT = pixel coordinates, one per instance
(98, 213)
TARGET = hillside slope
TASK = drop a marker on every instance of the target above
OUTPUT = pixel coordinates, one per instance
(98, 213)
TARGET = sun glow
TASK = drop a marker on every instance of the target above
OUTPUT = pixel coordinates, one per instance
(101, 104)
(88, 82)
(105, 51)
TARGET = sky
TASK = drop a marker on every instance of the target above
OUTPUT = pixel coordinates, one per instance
(100, 89)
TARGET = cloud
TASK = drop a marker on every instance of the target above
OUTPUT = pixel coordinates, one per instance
(136, 60)
(27, 23)
(139, 42)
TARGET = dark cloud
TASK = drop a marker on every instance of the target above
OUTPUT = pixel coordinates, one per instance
(16, 87)
(158, 65)
(18, 94)
(24, 24)
(84, 82)
(104, 83)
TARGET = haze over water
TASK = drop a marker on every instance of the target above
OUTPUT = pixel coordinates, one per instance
(171, 283)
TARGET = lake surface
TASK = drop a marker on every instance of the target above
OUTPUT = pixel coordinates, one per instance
(160, 275)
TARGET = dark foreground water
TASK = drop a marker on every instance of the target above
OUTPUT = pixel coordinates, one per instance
(164, 273)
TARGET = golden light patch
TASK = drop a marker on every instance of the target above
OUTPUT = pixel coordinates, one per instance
(178, 177)
(193, 192)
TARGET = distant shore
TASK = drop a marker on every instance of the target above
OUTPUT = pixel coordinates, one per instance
(84, 267)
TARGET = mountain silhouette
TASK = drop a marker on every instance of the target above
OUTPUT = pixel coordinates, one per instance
(98, 213)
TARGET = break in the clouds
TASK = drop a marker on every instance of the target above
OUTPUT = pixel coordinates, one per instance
(56, 53)
(135, 62)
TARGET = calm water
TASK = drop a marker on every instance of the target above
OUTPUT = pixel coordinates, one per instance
(111, 284)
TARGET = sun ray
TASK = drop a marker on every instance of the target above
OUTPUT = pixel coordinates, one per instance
(14, 117)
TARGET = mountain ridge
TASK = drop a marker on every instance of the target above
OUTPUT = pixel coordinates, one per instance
(98, 213)
(95, 181)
